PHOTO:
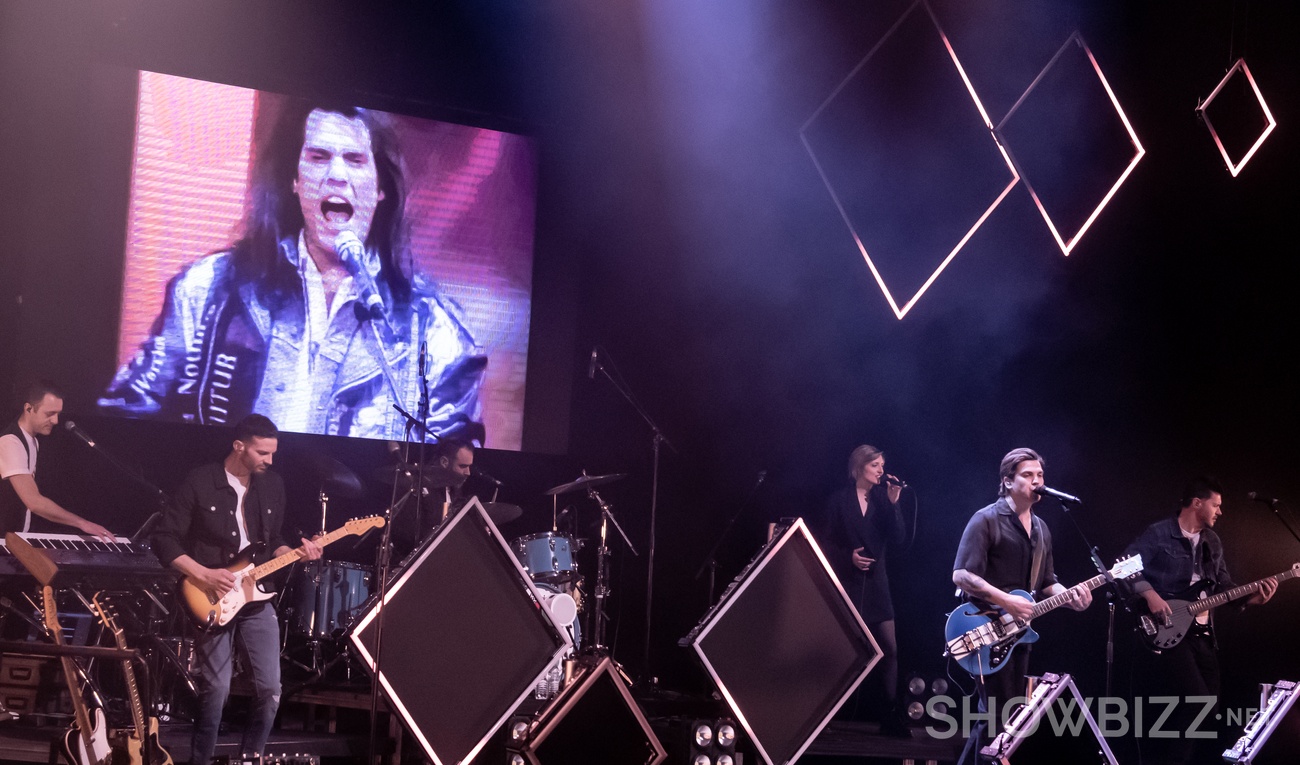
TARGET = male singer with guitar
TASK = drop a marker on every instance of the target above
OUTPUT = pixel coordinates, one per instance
(1006, 547)
(1181, 552)
(220, 509)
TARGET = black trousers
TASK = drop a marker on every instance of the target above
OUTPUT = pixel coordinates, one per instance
(1189, 670)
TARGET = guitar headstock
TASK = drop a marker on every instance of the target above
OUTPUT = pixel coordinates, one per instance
(1126, 567)
(359, 526)
(105, 614)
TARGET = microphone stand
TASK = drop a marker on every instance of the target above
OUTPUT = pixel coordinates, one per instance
(386, 545)
(1273, 506)
(711, 560)
(657, 439)
(1101, 567)
(602, 569)
(158, 494)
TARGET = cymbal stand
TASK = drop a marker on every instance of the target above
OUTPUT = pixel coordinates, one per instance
(598, 618)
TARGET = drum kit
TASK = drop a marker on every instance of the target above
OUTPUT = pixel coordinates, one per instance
(324, 599)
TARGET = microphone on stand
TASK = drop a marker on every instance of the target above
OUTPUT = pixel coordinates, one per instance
(487, 477)
(79, 433)
(1044, 491)
(1254, 495)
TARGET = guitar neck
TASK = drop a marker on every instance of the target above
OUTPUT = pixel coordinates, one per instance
(80, 712)
(1060, 599)
(275, 564)
(1227, 596)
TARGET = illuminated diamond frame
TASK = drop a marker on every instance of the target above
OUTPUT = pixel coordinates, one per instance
(1239, 65)
(1068, 246)
(1015, 175)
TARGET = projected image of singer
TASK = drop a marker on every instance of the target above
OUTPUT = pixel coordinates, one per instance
(296, 319)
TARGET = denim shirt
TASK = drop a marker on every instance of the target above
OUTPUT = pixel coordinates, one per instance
(1167, 560)
(217, 352)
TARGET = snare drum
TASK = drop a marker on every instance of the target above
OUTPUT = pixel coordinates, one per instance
(325, 596)
(547, 557)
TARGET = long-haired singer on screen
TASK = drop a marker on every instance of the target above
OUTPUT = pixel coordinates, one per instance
(292, 320)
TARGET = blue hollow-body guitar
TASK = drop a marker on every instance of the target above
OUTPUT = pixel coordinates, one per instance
(980, 639)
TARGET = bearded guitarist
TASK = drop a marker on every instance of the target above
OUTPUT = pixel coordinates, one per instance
(221, 509)
(1182, 553)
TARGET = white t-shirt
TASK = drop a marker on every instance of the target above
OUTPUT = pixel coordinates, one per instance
(240, 491)
(15, 460)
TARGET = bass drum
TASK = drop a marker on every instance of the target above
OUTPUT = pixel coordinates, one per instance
(324, 597)
(563, 609)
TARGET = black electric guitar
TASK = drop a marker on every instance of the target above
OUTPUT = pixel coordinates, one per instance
(86, 742)
(1160, 635)
(144, 730)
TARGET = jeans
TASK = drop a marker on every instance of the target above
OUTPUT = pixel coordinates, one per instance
(259, 632)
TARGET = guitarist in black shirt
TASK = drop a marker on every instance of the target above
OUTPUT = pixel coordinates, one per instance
(1181, 553)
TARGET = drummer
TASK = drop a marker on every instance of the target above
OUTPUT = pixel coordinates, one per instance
(455, 458)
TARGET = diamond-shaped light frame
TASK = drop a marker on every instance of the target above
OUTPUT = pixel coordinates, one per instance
(1238, 66)
(1139, 152)
(900, 312)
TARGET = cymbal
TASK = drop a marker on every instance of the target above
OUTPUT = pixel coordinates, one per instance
(435, 476)
(585, 482)
(502, 512)
(334, 476)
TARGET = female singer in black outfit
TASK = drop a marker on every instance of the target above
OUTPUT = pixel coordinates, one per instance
(862, 521)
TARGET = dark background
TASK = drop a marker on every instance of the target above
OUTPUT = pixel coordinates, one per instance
(684, 229)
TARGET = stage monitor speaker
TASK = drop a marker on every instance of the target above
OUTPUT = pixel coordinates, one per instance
(784, 645)
(464, 638)
(1032, 739)
(594, 721)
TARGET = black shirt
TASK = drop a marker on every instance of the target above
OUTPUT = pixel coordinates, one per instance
(202, 522)
(995, 546)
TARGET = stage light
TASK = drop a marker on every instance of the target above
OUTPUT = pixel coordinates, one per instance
(901, 310)
(517, 759)
(938, 686)
(1068, 245)
(703, 735)
(785, 647)
(1238, 66)
(725, 759)
(726, 735)
(916, 685)
(702, 759)
(915, 711)
(519, 731)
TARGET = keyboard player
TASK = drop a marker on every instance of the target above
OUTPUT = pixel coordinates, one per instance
(19, 495)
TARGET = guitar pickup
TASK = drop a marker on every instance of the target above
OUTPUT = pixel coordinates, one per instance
(1148, 626)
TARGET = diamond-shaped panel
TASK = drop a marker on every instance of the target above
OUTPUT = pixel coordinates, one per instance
(905, 149)
(1203, 110)
(1066, 140)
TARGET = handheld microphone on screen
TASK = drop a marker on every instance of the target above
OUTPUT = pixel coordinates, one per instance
(79, 433)
(352, 252)
(1044, 491)
(591, 367)
(892, 481)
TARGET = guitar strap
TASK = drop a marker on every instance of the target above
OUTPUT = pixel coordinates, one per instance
(1036, 567)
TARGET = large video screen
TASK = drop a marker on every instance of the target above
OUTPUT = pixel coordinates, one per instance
(306, 260)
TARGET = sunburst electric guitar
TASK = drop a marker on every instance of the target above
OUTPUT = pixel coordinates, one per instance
(211, 610)
(981, 640)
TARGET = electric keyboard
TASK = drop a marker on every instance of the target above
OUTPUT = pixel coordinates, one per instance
(84, 560)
